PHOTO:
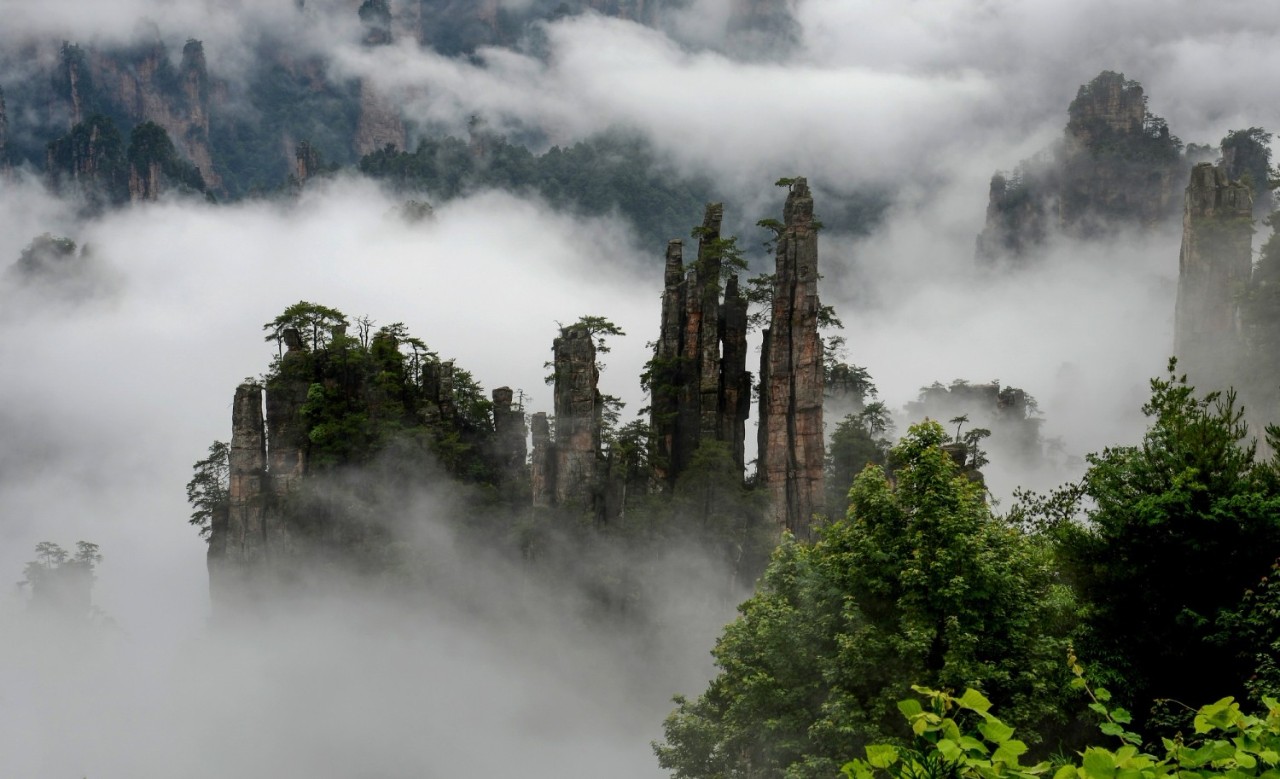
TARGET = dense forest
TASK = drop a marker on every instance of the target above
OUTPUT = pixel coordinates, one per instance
(608, 388)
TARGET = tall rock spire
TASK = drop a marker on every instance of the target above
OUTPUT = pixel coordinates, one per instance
(1213, 268)
(578, 416)
(791, 455)
(238, 549)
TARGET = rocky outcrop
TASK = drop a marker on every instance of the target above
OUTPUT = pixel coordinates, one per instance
(791, 447)
(4, 136)
(1213, 269)
(578, 408)
(379, 124)
(1114, 168)
(509, 435)
(143, 86)
(144, 182)
(1106, 107)
(1007, 414)
(307, 162)
(238, 550)
(542, 464)
(90, 157)
(698, 380)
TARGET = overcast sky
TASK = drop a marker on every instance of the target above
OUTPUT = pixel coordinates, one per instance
(108, 395)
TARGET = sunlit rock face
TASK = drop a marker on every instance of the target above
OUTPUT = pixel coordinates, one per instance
(791, 450)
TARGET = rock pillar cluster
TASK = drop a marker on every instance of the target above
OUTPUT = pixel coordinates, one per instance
(1213, 268)
(791, 447)
(698, 381)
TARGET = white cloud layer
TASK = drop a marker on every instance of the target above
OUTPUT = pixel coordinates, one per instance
(104, 404)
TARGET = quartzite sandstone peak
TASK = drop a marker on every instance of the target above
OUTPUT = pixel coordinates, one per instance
(1114, 167)
(791, 453)
(1213, 267)
(699, 384)
(578, 409)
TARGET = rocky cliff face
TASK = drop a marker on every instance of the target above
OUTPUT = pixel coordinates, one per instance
(791, 445)
(698, 380)
(578, 407)
(141, 85)
(509, 435)
(1114, 168)
(238, 550)
(91, 158)
(1214, 267)
(1105, 107)
(4, 136)
(379, 123)
(542, 463)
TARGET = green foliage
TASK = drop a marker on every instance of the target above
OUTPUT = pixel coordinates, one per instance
(358, 396)
(919, 582)
(208, 492)
(602, 174)
(60, 583)
(47, 256)
(149, 144)
(940, 749)
(599, 329)
(284, 99)
(92, 157)
(309, 319)
(858, 441)
(1178, 530)
(1247, 154)
(1226, 744)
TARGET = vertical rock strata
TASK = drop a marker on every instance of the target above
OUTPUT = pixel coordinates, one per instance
(542, 464)
(510, 432)
(1213, 269)
(4, 136)
(664, 371)
(791, 454)
(237, 551)
(578, 410)
(698, 382)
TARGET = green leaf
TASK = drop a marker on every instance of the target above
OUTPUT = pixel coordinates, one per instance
(1111, 729)
(995, 731)
(974, 700)
(1065, 772)
(1098, 763)
(910, 708)
(881, 755)
(1009, 751)
(1122, 716)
